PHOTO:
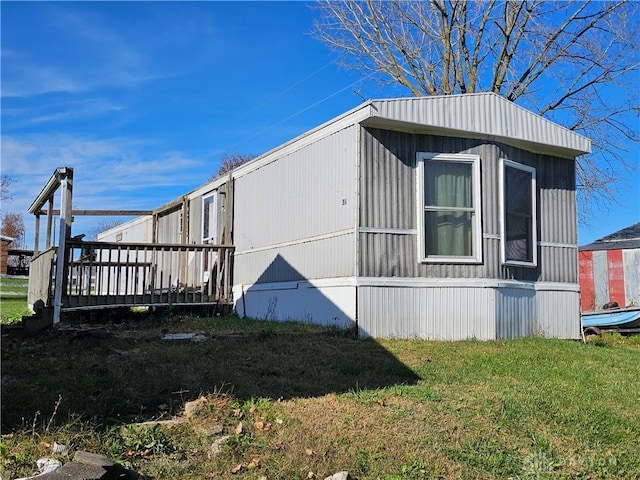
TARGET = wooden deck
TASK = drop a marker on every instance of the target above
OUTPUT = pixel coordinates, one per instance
(107, 275)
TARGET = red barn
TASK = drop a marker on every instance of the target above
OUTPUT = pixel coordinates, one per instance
(609, 270)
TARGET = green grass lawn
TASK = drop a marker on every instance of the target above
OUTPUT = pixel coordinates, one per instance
(13, 299)
(12, 309)
(312, 402)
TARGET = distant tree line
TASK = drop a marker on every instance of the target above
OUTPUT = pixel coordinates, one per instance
(12, 224)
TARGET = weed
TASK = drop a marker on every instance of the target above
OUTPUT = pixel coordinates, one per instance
(420, 392)
(609, 339)
(146, 439)
(597, 341)
(253, 406)
(414, 470)
(272, 309)
(365, 396)
(239, 445)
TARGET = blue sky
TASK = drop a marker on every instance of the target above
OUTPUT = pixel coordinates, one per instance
(142, 99)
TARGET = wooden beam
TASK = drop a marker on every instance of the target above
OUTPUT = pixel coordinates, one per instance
(20, 251)
(145, 246)
(167, 207)
(104, 213)
(49, 189)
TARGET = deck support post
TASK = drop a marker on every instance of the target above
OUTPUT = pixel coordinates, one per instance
(65, 178)
(36, 240)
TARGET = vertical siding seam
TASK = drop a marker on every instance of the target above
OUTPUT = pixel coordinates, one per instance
(356, 227)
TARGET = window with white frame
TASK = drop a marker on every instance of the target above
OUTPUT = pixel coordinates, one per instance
(449, 208)
(209, 218)
(518, 202)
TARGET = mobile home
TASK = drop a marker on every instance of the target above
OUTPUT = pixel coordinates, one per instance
(439, 217)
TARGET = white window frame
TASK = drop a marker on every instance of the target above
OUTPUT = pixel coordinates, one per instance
(504, 164)
(213, 217)
(474, 161)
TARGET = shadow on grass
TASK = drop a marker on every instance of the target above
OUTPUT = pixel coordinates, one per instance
(134, 374)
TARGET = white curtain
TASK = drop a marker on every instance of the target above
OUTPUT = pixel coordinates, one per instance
(448, 232)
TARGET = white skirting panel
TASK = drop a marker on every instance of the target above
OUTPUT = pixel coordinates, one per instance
(558, 313)
(461, 309)
(515, 312)
(324, 302)
(443, 309)
(437, 313)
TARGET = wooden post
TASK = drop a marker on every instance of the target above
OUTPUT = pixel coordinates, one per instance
(154, 228)
(36, 240)
(62, 261)
(228, 220)
(49, 223)
(184, 239)
(228, 239)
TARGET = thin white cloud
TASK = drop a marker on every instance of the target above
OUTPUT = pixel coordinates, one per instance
(22, 77)
(76, 110)
(101, 57)
(116, 173)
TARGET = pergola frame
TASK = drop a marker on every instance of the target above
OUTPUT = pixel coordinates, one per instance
(62, 178)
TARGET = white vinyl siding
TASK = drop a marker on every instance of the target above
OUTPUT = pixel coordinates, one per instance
(449, 208)
(518, 214)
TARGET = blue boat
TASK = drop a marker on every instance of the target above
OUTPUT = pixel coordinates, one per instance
(623, 320)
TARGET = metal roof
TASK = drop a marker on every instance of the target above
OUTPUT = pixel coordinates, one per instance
(482, 115)
(476, 115)
(624, 239)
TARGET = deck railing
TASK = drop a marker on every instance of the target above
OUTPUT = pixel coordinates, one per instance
(118, 274)
(41, 275)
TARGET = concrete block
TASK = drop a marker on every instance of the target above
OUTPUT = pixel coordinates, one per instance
(89, 458)
(36, 324)
(77, 471)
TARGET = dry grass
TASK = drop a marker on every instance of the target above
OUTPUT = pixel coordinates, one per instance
(312, 402)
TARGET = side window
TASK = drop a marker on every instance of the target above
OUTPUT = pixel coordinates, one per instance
(518, 205)
(209, 218)
(449, 208)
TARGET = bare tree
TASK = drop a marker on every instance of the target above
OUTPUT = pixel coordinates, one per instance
(102, 226)
(575, 63)
(5, 195)
(13, 226)
(230, 161)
